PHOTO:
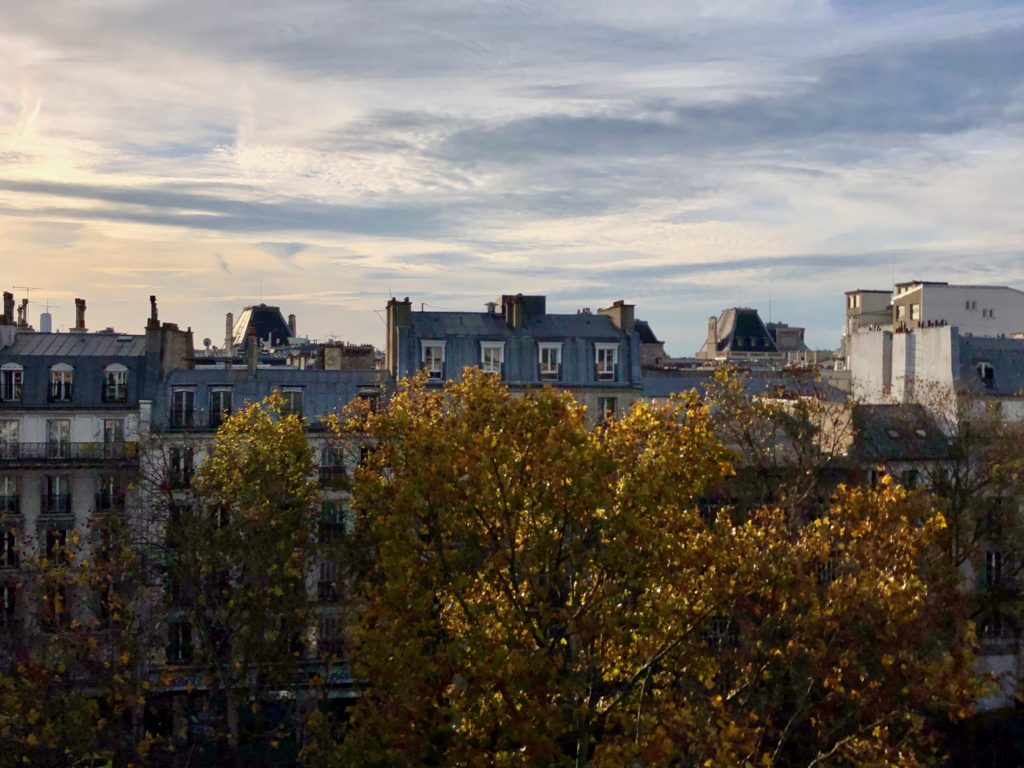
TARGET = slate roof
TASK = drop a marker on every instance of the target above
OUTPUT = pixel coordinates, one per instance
(733, 330)
(77, 345)
(440, 325)
(1006, 356)
(896, 433)
(266, 321)
(646, 333)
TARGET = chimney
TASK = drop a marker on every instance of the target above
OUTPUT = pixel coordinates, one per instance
(712, 342)
(79, 316)
(512, 309)
(623, 315)
(292, 327)
(229, 331)
(399, 313)
(252, 352)
(8, 308)
(491, 307)
(154, 320)
(23, 314)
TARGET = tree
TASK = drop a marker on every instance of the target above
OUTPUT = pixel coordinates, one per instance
(73, 682)
(528, 591)
(240, 608)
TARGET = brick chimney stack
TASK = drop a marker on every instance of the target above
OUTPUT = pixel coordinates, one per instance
(79, 316)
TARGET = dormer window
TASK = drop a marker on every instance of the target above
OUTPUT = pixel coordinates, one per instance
(11, 377)
(986, 373)
(492, 356)
(115, 383)
(606, 361)
(432, 358)
(61, 377)
(550, 360)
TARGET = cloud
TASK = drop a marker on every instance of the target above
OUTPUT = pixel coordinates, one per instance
(282, 251)
(221, 263)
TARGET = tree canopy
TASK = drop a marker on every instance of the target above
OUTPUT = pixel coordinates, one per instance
(527, 590)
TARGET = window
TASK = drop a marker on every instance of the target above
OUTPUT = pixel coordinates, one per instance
(828, 570)
(332, 520)
(332, 465)
(113, 438)
(993, 568)
(550, 360)
(432, 358)
(329, 638)
(606, 360)
(183, 403)
(915, 311)
(8, 495)
(12, 376)
(58, 438)
(61, 376)
(8, 549)
(492, 356)
(58, 495)
(220, 405)
(911, 479)
(901, 311)
(992, 625)
(115, 383)
(8, 596)
(57, 546)
(292, 401)
(371, 396)
(986, 373)
(179, 642)
(856, 301)
(110, 495)
(326, 591)
(606, 407)
(55, 613)
(721, 632)
(179, 467)
(9, 439)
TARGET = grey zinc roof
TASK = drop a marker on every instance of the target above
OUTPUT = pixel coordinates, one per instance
(77, 345)
(1006, 356)
(896, 433)
(438, 325)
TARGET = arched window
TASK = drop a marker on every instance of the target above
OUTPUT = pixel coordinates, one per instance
(115, 383)
(61, 379)
(12, 376)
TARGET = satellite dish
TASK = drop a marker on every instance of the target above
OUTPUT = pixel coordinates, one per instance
(206, 343)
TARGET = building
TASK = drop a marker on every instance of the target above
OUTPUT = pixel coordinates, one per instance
(977, 310)
(596, 356)
(70, 411)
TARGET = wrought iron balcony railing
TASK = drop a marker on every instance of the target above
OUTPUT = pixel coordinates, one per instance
(64, 451)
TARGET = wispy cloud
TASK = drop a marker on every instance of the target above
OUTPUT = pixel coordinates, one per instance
(681, 155)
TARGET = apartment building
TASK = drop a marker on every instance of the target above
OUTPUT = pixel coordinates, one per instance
(596, 356)
(70, 407)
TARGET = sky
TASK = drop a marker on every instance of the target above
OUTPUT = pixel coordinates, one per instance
(683, 155)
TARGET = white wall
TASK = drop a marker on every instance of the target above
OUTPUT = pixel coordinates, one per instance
(947, 303)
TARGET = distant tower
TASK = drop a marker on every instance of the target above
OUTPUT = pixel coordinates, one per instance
(46, 323)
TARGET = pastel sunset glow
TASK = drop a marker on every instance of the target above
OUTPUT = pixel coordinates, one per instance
(683, 156)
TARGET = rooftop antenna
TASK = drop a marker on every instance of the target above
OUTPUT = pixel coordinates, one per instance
(26, 288)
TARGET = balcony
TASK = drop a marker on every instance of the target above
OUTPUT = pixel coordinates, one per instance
(56, 504)
(54, 453)
(196, 419)
(331, 476)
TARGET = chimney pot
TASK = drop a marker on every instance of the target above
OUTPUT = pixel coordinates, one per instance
(292, 327)
(79, 315)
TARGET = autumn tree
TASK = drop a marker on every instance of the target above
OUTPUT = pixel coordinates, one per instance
(529, 591)
(73, 682)
(242, 554)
